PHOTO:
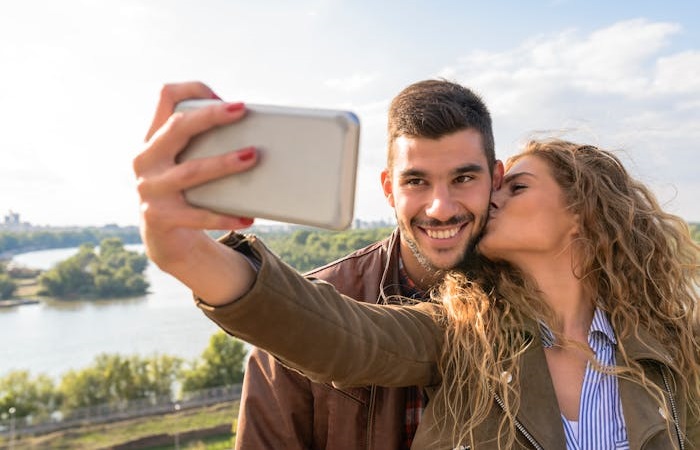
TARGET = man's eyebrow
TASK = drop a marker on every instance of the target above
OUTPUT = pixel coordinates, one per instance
(510, 177)
(409, 173)
(467, 168)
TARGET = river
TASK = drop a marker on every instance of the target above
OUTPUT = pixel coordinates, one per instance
(53, 337)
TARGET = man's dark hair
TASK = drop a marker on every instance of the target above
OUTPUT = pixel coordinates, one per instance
(435, 108)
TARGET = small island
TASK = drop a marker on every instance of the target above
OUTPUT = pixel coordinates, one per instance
(108, 272)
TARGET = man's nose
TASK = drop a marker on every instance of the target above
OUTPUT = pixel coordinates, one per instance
(442, 205)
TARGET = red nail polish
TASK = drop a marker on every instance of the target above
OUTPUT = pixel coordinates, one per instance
(233, 107)
(247, 154)
(214, 96)
(247, 221)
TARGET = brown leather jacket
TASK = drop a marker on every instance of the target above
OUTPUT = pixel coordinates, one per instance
(309, 326)
(281, 408)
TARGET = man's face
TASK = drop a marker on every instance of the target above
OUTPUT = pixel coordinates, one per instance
(440, 191)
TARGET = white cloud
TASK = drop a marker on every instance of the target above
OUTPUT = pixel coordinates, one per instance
(678, 73)
(353, 83)
(619, 87)
(615, 60)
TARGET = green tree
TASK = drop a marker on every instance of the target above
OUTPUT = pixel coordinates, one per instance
(695, 231)
(113, 378)
(71, 278)
(300, 236)
(7, 286)
(82, 388)
(305, 249)
(111, 273)
(29, 396)
(221, 364)
(159, 375)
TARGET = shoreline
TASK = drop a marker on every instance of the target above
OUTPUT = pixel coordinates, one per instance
(18, 302)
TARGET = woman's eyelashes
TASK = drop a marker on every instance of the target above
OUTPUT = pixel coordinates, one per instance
(517, 187)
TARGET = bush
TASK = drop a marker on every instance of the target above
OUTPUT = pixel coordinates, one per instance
(221, 364)
(7, 286)
(113, 272)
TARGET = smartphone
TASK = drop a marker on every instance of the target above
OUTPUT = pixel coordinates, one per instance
(306, 169)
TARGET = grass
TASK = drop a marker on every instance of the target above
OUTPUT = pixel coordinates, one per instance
(224, 442)
(108, 435)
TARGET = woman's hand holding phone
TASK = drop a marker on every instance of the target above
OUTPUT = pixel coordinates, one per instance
(173, 230)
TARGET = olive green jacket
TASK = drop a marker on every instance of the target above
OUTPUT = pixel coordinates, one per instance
(312, 328)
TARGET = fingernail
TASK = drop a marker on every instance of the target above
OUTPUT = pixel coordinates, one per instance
(247, 221)
(247, 154)
(215, 97)
(233, 107)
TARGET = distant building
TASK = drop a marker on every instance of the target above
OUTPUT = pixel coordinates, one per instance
(11, 218)
(12, 222)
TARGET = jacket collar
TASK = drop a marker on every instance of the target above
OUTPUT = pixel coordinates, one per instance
(642, 415)
(390, 284)
(644, 346)
(539, 410)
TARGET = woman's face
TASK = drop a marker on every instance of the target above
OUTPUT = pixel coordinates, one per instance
(529, 219)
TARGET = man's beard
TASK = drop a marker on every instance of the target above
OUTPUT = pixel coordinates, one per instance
(422, 259)
(476, 267)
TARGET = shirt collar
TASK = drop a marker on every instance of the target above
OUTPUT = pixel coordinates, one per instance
(600, 324)
(408, 286)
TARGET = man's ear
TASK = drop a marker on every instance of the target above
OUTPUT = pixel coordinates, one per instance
(387, 187)
(497, 175)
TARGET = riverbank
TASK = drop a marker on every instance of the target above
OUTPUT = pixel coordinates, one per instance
(18, 302)
(27, 293)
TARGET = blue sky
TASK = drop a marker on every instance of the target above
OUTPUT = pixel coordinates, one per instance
(80, 78)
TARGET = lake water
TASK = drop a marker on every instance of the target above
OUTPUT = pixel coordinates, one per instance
(53, 337)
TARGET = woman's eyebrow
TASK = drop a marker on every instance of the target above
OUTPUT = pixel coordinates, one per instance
(510, 177)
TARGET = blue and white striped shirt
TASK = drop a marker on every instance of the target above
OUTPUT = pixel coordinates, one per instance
(601, 424)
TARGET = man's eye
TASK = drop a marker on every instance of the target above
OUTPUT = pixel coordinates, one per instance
(463, 179)
(515, 187)
(414, 182)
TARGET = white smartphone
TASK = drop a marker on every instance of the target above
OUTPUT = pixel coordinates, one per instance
(306, 168)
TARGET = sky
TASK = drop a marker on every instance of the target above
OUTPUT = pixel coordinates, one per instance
(79, 81)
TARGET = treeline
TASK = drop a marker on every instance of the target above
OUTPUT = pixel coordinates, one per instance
(113, 378)
(695, 231)
(12, 242)
(305, 249)
(111, 272)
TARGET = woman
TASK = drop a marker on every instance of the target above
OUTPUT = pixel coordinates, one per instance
(581, 332)
(609, 280)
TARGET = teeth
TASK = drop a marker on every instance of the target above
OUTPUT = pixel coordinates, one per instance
(442, 234)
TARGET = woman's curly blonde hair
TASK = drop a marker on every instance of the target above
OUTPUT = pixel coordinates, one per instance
(636, 262)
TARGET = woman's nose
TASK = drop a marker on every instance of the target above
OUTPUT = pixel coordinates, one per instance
(496, 198)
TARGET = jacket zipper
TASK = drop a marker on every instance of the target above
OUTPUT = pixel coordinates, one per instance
(519, 425)
(674, 411)
(370, 415)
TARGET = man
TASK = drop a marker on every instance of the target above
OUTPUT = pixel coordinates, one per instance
(440, 171)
